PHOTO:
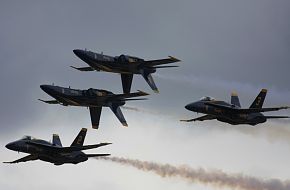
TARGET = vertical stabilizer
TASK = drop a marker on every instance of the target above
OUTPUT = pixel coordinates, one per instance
(235, 99)
(79, 140)
(126, 82)
(259, 101)
(117, 111)
(56, 140)
(147, 76)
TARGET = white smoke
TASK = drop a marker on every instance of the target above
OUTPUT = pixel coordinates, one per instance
(215, 178)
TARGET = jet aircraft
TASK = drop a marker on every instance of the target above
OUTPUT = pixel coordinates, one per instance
(54, 152)
(94, 99)
(232, 113)
(125, 65)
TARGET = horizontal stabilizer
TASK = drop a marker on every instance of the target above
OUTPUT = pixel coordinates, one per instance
(97, 155)
(160, 67)
(83, 68)
(135, 99)
(50, 101)
(276, 117)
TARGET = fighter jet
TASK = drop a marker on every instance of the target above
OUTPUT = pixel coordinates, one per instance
(54, 152)
(125, 65)
(232, 113)
(94, 99)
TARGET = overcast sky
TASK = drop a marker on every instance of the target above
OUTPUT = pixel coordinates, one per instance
(224, 45)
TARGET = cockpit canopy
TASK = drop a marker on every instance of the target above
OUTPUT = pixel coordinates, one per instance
(98, 92)
(127, 59)
(26, 137)
(207, 98)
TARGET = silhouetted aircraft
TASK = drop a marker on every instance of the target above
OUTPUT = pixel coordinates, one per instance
(232, 113)
(54, 152)
(94, 99)
(126, 65)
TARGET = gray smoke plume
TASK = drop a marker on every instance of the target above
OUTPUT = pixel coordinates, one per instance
(141, 110)
(147, 111)
(216, 178)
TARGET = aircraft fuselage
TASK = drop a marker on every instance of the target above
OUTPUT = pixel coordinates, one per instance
(225, 115)
(75, 97)
(121, 64)
(46, 155)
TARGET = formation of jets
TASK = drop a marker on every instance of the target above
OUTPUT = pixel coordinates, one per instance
(95, 99)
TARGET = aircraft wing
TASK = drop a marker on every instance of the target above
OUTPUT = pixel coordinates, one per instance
(95, 113)
(202, 118)
(50, 101)
(126, 82)
(68, 149)
(24, 159)
(125, 96)
(83, 68)
(152, 63)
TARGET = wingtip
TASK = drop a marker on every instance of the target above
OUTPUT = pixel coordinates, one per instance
(125, 124)
(174, 58)
(74, 67)
(264, 90)
(7, 162)
(156, 91)
(142, 93)
(95, 126)
(234, 93)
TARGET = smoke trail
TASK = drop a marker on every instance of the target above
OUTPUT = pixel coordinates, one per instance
(216, 177)
(217, 83)
(142, 110)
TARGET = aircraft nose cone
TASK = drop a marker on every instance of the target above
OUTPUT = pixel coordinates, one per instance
(11, 146)
(192, 106)
(188, 107)
(78, 52)
(45, 88)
